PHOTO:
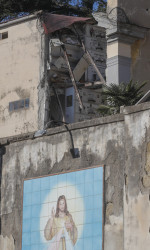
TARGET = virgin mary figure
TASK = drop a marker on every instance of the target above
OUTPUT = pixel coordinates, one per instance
(60, 229)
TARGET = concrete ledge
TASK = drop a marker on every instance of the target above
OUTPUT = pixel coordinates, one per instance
(126, 31)
(135, 108)
(80, 125)
(8, 140)
(75, 126)
(87, 124)
(118, 59)
(17, 21)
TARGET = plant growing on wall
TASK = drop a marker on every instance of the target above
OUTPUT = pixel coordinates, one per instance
(124, 94)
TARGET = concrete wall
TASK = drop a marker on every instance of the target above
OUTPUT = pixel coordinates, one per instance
(91, 99)
(19, 76)
(137, 179)
(140, 49)
(137, 13)
(133, 9)
(121, 142)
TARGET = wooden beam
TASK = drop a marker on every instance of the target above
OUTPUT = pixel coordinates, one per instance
(72, 78)
(89, 57)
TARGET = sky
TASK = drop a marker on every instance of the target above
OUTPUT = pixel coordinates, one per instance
(79, 2)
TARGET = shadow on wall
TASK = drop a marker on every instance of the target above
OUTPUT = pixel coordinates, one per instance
(135, 9)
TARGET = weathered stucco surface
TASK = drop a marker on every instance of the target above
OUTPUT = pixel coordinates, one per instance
(137, 13)
(19, 74)
(111, 4)
(7, 243)
(121, 142)
(99, 142)
(135, 9)
(136, 193)
(30, 66)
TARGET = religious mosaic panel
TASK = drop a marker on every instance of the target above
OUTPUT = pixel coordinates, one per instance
(64, 211)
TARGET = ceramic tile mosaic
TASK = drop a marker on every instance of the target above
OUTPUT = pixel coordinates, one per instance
(64, 212)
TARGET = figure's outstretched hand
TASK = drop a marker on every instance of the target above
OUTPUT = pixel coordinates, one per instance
(53, 212)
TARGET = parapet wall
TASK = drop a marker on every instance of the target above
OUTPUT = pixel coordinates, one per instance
(120, 142)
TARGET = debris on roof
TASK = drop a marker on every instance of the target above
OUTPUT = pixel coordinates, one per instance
(77, 63)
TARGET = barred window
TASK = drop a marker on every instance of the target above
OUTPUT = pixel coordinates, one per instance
(69, 101)
(3, 35)
(20, 104)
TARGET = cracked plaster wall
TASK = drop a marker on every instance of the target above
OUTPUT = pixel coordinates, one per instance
(137, 189)
(19, 76)
(51, 154)
(7, 243)
(121, 142)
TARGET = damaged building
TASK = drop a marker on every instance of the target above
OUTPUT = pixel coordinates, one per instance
(55, 71)
(58, 64)
(72, 72)
(83, 185)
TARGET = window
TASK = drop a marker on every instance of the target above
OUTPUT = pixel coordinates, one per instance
(94, 77)
(21, 104)
(3, 35)
(69, 100)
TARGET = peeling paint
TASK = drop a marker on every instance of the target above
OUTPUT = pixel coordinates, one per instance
(109, 209)
(113, 234)
(7, 243)
(136, 222)
(20, 63)
(147, 166)
(135, 51)
(146, 181)
(135, 129)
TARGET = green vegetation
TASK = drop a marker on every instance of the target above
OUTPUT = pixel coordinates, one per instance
(123, 94)
(67, 7)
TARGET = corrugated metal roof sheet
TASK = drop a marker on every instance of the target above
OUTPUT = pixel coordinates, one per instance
(54, 22)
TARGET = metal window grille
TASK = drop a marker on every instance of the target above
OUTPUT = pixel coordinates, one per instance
(3, 35)
(69, 101)
(20, 104)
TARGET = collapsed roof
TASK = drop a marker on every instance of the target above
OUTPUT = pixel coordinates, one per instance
(54, 22)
